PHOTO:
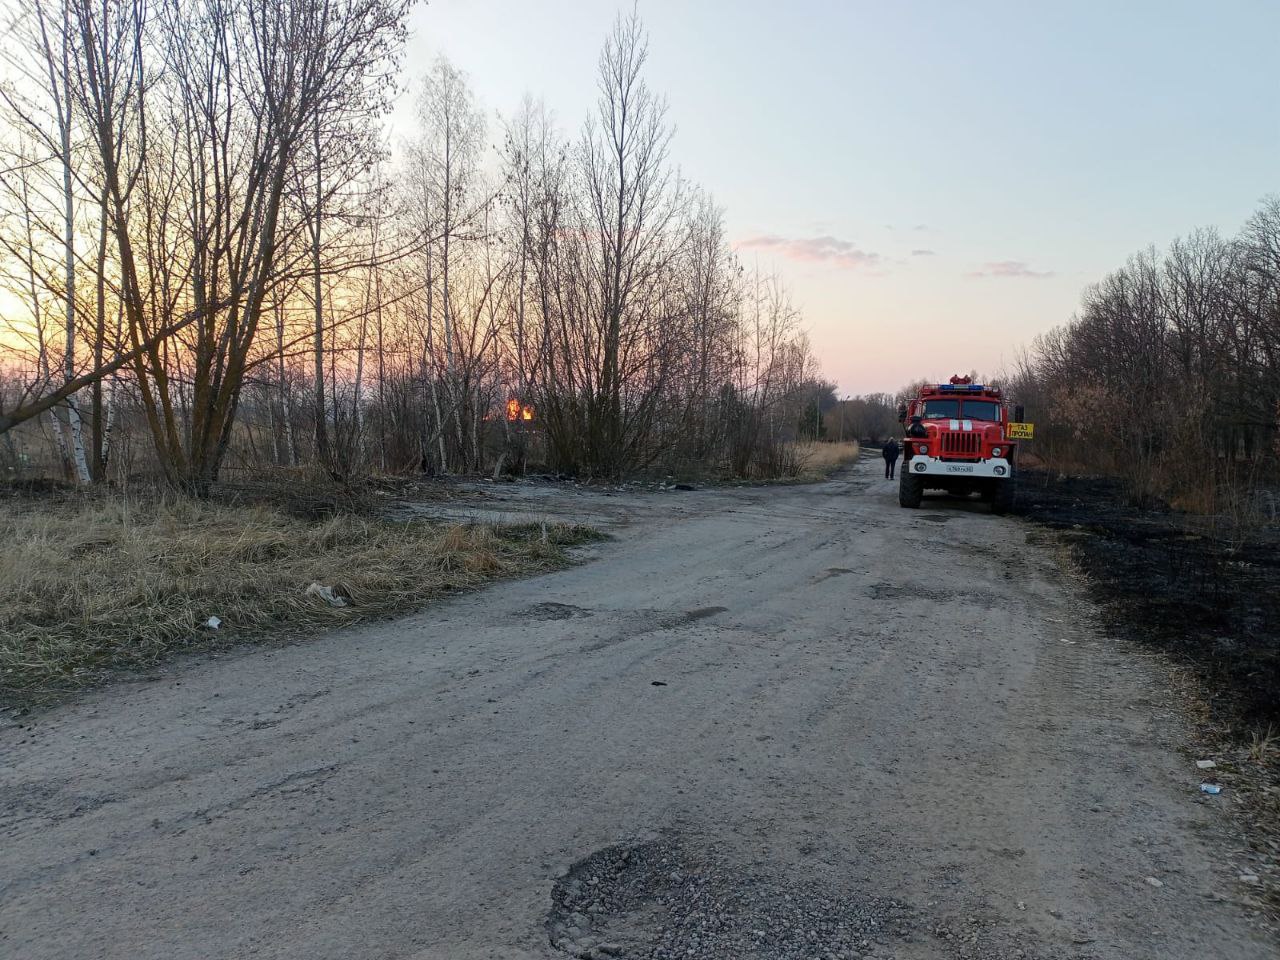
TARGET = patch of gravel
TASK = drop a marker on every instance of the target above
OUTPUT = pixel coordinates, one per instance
(553, 611)
(662, 900)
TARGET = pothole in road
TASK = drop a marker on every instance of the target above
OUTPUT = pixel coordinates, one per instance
(702, 613)
(661, 900)
(898, 591)
(832, 572)
(669, 899)
(552, 611)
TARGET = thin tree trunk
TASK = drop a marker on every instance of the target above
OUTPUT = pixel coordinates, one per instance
(112, 405)
(69, 248)
(286, 413)
(432, 373)
(42, 346)
(357, 415)
(450, 380)
(73, 410)
(382, 376)
(475, 428)
(98, 464)
(323, 452)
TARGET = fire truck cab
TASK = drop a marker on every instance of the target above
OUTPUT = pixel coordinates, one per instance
(957, 440)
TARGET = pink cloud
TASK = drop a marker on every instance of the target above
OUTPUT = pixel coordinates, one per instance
(825, 249)
(1010, 268)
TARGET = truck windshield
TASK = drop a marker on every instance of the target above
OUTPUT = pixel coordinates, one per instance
(981, 410)
(941, 408)
(962, 410)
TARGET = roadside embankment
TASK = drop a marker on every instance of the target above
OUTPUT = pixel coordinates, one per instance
(96, 583)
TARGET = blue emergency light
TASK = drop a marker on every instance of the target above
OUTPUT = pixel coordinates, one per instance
(960, 387)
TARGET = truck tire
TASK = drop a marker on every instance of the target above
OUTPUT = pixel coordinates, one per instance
(1003, 496)
(910, 489)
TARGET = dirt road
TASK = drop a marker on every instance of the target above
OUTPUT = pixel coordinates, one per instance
(790, 722)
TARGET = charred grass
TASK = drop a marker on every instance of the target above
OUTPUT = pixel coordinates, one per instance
(96, 583)
(1185, 584)
(1207, 593)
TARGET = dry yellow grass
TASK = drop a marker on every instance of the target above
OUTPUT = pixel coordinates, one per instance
(96, 584)
(819, 460)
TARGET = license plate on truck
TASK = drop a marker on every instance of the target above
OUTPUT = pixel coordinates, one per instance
(959, 468)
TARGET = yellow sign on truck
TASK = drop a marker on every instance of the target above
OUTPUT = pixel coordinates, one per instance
(1020, 431)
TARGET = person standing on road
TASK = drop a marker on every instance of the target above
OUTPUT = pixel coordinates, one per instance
(890, 452)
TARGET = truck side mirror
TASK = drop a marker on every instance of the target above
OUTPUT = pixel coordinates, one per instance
(902, 413)
(1018, 413)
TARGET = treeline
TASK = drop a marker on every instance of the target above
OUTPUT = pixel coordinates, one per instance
(872, 417)
(217, 259)
(1169, 376)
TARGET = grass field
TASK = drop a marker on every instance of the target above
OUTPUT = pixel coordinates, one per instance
(819, 460)
(96, 584)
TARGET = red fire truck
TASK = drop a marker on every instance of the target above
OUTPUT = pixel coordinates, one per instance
(961, 437)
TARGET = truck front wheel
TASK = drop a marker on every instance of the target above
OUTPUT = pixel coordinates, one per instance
(910, 489)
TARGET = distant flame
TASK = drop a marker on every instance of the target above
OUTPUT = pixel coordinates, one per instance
(518, 411)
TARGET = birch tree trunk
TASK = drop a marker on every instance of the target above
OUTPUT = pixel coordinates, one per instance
(38, 318)
(60, 88)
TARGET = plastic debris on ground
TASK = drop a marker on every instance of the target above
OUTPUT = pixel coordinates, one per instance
(326, 594)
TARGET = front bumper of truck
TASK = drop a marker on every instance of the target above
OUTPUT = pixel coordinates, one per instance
(995, 468)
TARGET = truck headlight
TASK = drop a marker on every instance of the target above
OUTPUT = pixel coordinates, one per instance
(920, 467)
(995, 451)
(923, 449)
(998, 471)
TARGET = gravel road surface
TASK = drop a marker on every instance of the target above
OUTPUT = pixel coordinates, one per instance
(762, 722)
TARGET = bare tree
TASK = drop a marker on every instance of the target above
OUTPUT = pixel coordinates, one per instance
(244, 86)
(240, 278)
(626, 225)
(448, 204)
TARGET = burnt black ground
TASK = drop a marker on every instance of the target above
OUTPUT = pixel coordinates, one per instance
(1177, 583)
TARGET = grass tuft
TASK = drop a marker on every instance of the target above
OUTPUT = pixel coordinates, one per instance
(1264, 745)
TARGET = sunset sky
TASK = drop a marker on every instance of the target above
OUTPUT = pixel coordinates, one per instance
(937, 181)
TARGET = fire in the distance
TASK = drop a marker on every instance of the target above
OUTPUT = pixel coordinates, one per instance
(518, 411)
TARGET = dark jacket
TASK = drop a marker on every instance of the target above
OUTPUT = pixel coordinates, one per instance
(891, 450)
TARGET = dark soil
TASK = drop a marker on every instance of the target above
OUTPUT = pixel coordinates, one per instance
(1184, 584)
